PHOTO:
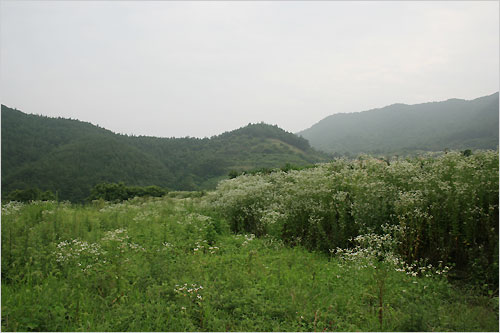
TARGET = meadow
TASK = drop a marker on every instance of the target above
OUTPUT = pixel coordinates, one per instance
(363, 245)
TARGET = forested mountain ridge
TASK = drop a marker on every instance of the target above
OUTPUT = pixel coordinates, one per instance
(70, 156)
(38, 135)
(408, 129)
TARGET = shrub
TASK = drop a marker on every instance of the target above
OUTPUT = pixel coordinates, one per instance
(30, 194)
(446, 207)
(119, 192)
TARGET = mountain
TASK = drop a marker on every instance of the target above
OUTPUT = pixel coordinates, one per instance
(71, 156)
(408, 129)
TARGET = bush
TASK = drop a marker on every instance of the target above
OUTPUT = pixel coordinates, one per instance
(446, 207)
(116, 192)
(31, 194)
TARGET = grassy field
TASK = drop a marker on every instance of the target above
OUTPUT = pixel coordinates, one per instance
(172, 264)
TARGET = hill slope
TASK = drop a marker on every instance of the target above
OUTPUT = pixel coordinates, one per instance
(406, 129)
(70, 156)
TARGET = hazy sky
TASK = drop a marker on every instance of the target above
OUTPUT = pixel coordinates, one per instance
(202, 68)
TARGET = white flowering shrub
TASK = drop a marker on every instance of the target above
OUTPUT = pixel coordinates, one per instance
(82, 254)
(243, 201)
(446, 206)
(190, 294)
(370, 249)
(11, 208)
(120, 240)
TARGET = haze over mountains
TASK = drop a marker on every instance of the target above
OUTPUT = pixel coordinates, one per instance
(407, 129)
(71, 156)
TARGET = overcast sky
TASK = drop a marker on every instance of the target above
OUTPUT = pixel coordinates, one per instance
(175, 69)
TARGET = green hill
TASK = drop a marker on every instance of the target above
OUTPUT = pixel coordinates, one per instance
(70, 156)
(408, 129)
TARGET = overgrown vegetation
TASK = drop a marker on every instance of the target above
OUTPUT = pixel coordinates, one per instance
(119, 192)
(169, 264)
(340, 247)
(288, 167)
(445, 208)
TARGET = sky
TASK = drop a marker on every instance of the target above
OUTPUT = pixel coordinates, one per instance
(198, 69)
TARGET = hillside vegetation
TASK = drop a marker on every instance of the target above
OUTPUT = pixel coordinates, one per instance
(410, 129)
(70, 157)
(346, 246)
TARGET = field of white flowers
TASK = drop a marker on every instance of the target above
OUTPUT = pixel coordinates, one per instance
(437, 209)
(350, 245)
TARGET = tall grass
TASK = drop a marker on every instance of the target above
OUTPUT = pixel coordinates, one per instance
(446, 208)
(173, 264)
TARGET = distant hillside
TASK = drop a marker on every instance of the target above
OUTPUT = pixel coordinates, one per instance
(407, 129)
(70, 156)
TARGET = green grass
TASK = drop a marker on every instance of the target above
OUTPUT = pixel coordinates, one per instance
(138, 256)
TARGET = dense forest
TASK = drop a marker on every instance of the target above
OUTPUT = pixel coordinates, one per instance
(410, 129)
(70, 157)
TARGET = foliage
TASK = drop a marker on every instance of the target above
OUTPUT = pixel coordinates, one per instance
(172, 264)
(269, 131)
(446, 208)
(410, 129)
(30, 194)
(120, 192)
(71, 157)
(288, 167)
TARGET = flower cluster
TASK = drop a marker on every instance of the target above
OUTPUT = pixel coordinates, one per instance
(205, 248)
(11, 208)
(196, 217)
(192, 291)
(80, 253)
(118, 235)
(121, 239)
(144, 215)
(421, 269)
(110, 208)
(248, 238)
(371, 248)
